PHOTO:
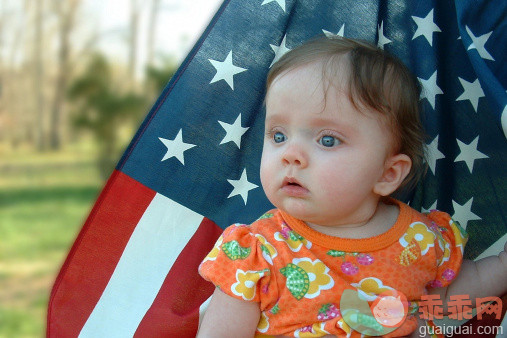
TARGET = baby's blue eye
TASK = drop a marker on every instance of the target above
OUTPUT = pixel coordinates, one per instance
(328, 141)
(279, 137)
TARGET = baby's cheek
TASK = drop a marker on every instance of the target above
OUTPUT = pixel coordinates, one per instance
(266, 174)
(331, 186)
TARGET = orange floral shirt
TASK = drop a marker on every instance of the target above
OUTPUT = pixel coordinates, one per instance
(298, 275)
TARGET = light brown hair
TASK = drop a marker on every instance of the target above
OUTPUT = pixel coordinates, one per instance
(377, 80)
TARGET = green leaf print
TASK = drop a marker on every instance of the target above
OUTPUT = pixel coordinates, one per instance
(462, 231)
(297, 282)
(235, 251)
(295, 236)
(369, 321)
(275, 309)
(266, 215)
(265, 250)
(336, 253)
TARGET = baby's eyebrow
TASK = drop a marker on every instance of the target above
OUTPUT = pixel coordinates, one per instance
(322, 121)
(274, 118)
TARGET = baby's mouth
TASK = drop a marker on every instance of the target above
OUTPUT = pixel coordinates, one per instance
(290, 181)
(293, 187)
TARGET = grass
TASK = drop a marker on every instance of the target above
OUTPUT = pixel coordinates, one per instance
(44, 200)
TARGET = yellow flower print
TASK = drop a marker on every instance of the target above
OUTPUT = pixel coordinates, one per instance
(460, 235)
(268, 251)
(315, 330)
(460, 239)
(368, 288)
(214, 252)
(318, 275)
(344, 326)
(292, 239)
(420, 233)
(446, 249)
(263, 325)
(247, 283)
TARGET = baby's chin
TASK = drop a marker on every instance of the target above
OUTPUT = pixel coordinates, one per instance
(303, 211)
(298, 210)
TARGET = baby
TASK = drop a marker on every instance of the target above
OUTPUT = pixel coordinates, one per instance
(342, 134)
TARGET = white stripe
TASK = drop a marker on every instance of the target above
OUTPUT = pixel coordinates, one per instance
(502, 329)
(159, 237)
(202, 309)
(494, 249)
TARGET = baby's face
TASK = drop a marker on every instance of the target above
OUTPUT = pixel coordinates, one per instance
(322, 157)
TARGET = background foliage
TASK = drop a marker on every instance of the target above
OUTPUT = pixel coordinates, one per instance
(67, 111)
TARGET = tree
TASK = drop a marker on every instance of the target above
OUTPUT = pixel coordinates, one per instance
(152, 27)
(38, 76)
(158, 77)
(102, 110)
(66, 13)
(135, 8)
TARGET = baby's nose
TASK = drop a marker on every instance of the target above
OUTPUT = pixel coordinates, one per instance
(295, 155)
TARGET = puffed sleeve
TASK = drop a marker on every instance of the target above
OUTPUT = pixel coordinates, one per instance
(238, 265)
(449, 246)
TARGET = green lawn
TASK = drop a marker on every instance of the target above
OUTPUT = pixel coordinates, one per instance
(44, 199)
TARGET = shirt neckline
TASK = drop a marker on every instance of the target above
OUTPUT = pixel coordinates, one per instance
(354, 244)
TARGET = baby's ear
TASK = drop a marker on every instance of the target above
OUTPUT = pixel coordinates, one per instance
(396, 169)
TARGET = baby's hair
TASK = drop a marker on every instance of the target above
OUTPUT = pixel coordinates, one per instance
(377, 80)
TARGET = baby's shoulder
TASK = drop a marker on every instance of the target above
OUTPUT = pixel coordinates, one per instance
(434, 217)
(441, 222)
(424, 216)
(267, 223)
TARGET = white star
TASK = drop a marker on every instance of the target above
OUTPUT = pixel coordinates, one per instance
(382, 40)
(469, 153)
(432, 207)
(233, 131)
(426, 27)
(433, 154)
(241, 187)
(279, 50)
(430, 89)
(478, 43)
(341, 32)
(463, 213)
(176, 147)
(280, 2)
(226, 70)
(472, 92)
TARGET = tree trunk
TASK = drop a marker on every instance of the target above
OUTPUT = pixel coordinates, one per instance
(134, 30)
(19, 127)
(66, 12)
(38, 75)
(152, 27)
(2, 60)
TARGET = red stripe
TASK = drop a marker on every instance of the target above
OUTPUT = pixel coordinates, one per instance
(175, 311)
(95, 253)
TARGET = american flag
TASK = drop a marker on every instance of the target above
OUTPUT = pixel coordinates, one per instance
(192, 169)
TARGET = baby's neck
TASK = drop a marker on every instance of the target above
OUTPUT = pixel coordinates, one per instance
(382, 220)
